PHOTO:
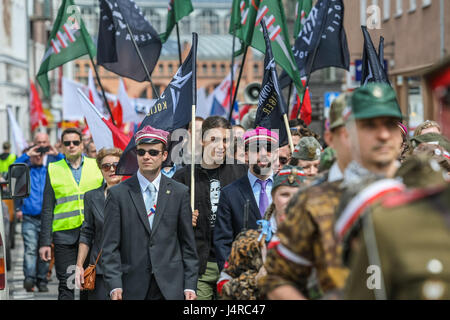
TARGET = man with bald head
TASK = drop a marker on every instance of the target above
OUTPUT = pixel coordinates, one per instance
(37, 158)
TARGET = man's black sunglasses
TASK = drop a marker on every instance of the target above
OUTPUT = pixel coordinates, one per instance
(152, 152)
(75, 143)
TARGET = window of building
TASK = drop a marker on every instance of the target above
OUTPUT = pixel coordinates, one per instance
(185, 25)
(329, 74)
(205, 69)
(386, 9)
(223, 69)
(86, 67)
(77, 68)
(153, 17)
(158, 90)
(170, 68)
(412, 5)
(399, 8)
(213, 69)
(363, 10)
(426, 3)
(209, 22)
(256, 69)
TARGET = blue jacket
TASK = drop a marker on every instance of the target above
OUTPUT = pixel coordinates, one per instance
(33, 204)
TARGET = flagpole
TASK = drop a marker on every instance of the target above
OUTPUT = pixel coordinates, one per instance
(103, 91)
(232, 72)
(238, 81)
(194, 103)
(138, 52)
(179, 44)
(313, 59)
(289, 95)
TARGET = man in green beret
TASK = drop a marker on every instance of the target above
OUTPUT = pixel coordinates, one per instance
(307, 155)
(307, 235)
(431, 138)
(405, 240)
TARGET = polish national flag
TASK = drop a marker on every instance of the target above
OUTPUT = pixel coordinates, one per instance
(104, 132)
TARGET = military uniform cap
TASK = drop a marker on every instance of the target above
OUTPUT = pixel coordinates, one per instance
(327, 159)
(308, 149)
(290, 176)
(372, 101)
(431, 138)
(336, 110)
(421, 171)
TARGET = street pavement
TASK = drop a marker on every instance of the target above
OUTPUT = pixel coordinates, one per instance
(16, 276)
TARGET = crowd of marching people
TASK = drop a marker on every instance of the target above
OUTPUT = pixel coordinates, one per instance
(361, 213)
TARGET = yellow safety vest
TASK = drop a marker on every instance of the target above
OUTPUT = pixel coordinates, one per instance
(4, 164)
(69, 208)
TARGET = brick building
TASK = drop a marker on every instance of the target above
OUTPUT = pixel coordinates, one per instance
(417, 36)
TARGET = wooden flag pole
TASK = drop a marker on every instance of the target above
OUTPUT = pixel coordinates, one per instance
(139, 54)
(194, 103)
(179, 44)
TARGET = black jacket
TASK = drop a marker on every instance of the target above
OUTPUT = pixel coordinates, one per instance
(226, 175)
(92, 229)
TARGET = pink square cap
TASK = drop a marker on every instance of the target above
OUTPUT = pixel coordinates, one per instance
(151, 135)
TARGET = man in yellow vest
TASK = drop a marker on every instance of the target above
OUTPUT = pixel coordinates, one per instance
(6, 158)
(62, 210)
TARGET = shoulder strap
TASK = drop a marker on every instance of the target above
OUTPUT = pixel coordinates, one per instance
(98, 257)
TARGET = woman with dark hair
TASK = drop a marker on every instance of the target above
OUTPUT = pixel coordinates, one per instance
(92, 228)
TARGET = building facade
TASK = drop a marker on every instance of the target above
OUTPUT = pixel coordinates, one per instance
(14, 85)
(210, 19)
(417, 36)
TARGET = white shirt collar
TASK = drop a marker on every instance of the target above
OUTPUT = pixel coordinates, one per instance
(143, 182)
(252, 178)
(335, 173)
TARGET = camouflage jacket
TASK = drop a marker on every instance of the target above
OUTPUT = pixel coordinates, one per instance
(307, 242)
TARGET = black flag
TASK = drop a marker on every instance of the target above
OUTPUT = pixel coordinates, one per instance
(372, 67)
(115, 50)
(322, 41)
(271, 104)
(170, 112)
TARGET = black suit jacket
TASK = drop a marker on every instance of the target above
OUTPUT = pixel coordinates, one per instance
(92, 229)
(132, 251)
(230, 216)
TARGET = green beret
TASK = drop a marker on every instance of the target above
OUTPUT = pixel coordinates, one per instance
(327, 159)
(421, 171)
(372, 101)
(336, 110)
(289, 176)
(308, 149)
(431, 138)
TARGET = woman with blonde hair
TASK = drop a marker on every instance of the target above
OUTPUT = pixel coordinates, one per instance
(92, 228)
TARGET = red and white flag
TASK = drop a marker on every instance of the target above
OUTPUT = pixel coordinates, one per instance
(93, 93)
(128, 110)
(37, 116)
(104, 133)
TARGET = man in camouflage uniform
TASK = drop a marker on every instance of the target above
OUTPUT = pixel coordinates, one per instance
(306, 237)
(405, 241)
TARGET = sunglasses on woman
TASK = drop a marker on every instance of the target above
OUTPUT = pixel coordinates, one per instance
(152, 152)
(108, 166)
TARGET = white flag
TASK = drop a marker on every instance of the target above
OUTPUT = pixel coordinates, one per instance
(71, 105)
(128, 110)
(19, 143)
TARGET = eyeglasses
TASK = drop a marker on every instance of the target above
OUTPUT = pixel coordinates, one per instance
(108, 166)
(75, 143)
(152, 152)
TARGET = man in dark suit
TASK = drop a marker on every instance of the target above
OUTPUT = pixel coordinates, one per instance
(148, 242)
(252, 191)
